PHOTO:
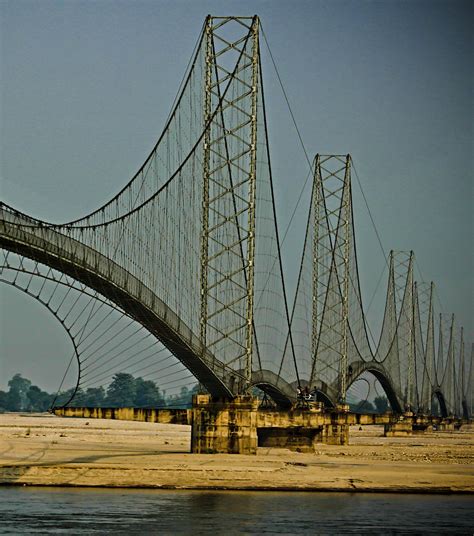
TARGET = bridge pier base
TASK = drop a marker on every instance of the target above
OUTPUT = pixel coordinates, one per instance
(402, 427)
(335, 434)
(297, 438)
(398, 429)
(303, 439)
(447, 425)
(302, 429)
(237, 427)
(226, 427)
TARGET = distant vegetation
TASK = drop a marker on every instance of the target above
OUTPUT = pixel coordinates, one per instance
(23, 396)
(379, 405)
(123, 391)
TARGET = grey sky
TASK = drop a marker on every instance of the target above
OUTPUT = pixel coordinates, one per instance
(86, 88)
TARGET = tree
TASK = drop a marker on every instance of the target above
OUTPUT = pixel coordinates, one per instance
(79, 399)
(366, 407)
(147, 394)
(381, 403)
(38, 400)
(3, 401)
(363, 406)
(64, 397)
(184, 398)
(94, 397)
(17, 394)
(121, 392)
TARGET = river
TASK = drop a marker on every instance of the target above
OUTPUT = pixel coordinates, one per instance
(27, 510)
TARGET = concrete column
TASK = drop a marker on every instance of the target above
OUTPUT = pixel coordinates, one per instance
(334, 434)
(224, 426)
(337, 433)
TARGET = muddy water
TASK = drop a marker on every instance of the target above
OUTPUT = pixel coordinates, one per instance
(26, 510)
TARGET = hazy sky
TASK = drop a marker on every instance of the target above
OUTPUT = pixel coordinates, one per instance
(86, 88)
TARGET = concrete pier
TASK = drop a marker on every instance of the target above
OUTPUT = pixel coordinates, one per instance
(237, 427)
(408, 424)
(398, 429)
(224, 426)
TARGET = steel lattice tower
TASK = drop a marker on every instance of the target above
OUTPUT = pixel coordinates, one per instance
(229, 189)
(331, 246)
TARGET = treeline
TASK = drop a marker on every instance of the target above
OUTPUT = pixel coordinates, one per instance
(379, 405)
(123, 391)
(23, 396)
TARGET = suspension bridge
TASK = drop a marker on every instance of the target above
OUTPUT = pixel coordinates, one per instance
(181, 272)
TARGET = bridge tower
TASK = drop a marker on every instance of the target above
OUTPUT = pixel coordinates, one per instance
(426, 366)
(403, 263)
(229, 190)
(468, 384)
(449, 377)
(460, 376)
(332, 235)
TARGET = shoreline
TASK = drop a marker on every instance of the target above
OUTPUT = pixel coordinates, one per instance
(49, 451)
(372, 491)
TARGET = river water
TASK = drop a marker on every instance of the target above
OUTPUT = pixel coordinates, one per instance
(91, 511)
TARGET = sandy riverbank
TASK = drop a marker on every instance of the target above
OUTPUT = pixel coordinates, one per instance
(55, 451)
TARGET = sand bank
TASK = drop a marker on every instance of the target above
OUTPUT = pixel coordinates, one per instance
(53, 451)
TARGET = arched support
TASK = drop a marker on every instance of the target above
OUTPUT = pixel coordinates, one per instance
(281, 392)
(71, 338)
(60, 252)
(323, 397)
(442, 403)
(357, 368)
(465, 410)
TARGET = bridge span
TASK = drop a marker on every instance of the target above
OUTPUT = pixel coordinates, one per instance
(189, 250)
